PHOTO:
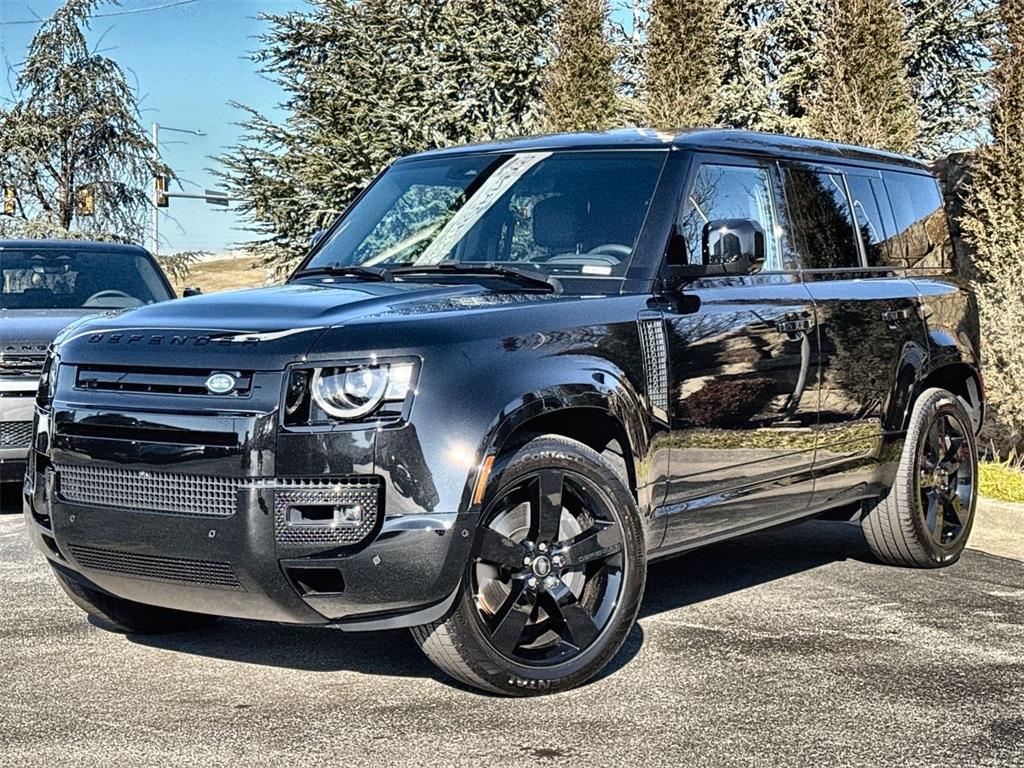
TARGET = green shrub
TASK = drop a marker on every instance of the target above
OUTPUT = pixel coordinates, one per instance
(1001, 480)
(993, 230)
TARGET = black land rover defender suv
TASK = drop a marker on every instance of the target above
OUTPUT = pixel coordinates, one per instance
(505, 380)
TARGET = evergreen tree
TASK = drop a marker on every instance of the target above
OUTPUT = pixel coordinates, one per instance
(864, 94)
(796, 58)
(368, 81)
(629, 44)
(683, 67)
(72, 145)
(750, 96)
(580, 92)
(947, 58)
(993, 227)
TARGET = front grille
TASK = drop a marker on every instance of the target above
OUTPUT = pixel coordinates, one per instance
(15, 434)
(362, 491)
(202, 496)
(22, 366)
(135, 491)
(163, 381)
(655, 353)
(204, 572)
(22, 359)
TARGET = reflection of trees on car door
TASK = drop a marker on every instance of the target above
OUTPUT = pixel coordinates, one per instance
(868, 324)
(742, 404)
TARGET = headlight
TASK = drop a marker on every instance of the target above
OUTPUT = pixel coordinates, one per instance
(348, 392)
(47, 380)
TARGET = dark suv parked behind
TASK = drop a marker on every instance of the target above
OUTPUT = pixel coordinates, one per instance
(44, 285)
(505, 380)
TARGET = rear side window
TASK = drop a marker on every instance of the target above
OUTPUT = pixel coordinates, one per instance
(922, 237)
(873, 220)
(821, 219)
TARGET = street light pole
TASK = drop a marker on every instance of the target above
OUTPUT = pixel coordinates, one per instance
(155, 218)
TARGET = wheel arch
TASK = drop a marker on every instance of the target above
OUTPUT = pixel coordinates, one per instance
(593, 426)
(962, 379)
(610, 419)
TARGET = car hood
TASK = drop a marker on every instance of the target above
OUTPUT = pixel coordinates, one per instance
(33, 329)
(283, 321)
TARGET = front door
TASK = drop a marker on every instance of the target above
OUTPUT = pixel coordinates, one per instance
(743, 405)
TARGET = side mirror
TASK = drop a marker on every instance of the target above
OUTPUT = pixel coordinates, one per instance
(316, 238)
(191, 292)
(737, 246)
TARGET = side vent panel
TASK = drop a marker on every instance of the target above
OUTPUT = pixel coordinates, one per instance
(654, 347)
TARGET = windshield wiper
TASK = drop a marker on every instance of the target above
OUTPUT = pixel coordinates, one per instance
(523, 275)
(338, 270)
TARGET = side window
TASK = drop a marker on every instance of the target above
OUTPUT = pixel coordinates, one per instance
(823, 224)
(731, 192)
(868, 198)
(922, 232)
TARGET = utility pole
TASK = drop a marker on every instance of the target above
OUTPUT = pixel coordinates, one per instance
(155, 218)
(155, 215)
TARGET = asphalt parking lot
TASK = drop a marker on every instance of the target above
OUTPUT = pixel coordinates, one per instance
(787, 648)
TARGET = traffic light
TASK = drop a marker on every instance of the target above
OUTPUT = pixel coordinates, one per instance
(86, 202)
(10, 201)
(160, 184)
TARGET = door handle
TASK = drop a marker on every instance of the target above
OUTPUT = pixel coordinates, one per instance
(893, 317)
(795, 325)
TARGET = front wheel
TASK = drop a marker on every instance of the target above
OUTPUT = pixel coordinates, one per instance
(555, 579)
(926, 518)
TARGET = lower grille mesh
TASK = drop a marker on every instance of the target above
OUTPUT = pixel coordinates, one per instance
(203, 572)
(15, 434)
(192, 495)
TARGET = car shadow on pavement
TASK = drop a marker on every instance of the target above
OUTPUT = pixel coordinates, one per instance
(757, 558)
(673, 584)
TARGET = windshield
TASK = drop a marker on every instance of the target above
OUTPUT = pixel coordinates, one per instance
(561, 213)
(69, 279)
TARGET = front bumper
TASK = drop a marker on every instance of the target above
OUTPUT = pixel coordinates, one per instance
(236, 560)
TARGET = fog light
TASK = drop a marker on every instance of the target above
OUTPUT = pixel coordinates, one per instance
(326, 515)
(308, 512)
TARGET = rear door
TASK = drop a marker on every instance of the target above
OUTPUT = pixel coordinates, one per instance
(743, 404)
(871, 335)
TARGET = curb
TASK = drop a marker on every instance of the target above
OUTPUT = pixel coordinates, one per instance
(998, 528)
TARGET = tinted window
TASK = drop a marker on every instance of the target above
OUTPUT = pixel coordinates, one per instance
(922, 232)
(823, 229)
(868, 198)
(558, 212)
(67, 279)
(730, 192)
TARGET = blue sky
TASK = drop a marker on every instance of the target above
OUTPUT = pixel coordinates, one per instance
(188, 62)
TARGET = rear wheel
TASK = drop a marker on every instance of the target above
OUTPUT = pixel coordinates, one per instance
(129, 616)
(926, 518)
(555, 580)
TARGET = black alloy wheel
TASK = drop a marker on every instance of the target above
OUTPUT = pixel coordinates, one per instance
(548, 568)
(946, 478)
(925, 520)
(555, 578)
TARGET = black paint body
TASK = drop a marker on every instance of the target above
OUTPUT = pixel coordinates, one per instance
(815, 422)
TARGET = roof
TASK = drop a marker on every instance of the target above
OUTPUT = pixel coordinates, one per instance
(71, 245)
(709, 139)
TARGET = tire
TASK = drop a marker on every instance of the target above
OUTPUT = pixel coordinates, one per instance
(926, 518)
(576, 624)
(127, 615)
